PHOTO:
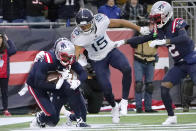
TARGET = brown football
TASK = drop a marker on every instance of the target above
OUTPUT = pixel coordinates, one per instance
(53, 76)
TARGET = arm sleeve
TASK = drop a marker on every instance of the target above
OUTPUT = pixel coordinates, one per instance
(180, 38)
(11, 48)
(134, 41)
(80, 71)
(40, 77)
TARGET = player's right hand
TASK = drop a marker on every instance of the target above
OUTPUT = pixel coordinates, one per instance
(39, 55)
(119, 43)
(59, 83)
(24, 90)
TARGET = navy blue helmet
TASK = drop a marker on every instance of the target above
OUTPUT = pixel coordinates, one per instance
(85, 20)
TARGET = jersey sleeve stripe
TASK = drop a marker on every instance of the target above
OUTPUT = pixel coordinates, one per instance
(174, 24)
(48, 58)
(37, 101)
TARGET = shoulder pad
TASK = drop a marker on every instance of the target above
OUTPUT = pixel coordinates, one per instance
(100, 17)
(178, 23)
(76, 32)
(48, 57)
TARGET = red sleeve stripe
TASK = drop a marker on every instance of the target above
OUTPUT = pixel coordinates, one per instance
(48, 58)
(174, 24)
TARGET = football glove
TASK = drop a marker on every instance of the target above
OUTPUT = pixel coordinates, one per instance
(144, 30)
(74, 84)
(155, 43)
(24, 90)
(59, 83)
(66, 74)
(119, 43)
(39, 55)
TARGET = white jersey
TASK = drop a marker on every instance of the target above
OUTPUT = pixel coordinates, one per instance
(97, 43)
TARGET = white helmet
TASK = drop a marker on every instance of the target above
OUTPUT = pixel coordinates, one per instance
(64, 51)
(160, 13)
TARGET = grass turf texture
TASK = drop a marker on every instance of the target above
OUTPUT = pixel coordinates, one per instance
(142, 119)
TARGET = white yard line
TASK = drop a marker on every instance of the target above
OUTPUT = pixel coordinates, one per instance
(119, 127)
(16, 120)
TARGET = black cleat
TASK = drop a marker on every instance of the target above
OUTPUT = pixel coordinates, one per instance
(82, 124)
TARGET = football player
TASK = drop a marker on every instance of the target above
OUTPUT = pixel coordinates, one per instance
(173, 34)
(61, 59)
(90, 34)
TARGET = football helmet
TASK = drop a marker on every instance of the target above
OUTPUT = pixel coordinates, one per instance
(85, 21)
(160, 13)
(64, 51)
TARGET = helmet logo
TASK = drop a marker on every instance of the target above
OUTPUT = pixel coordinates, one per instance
(161, 6)
(63, 46)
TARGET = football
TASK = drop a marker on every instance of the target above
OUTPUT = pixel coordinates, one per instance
(53, 76)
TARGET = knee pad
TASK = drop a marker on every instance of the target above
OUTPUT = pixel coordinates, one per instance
(187, 87)
(149, 88)
(138, 87)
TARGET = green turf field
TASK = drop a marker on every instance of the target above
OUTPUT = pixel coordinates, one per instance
(102, 121)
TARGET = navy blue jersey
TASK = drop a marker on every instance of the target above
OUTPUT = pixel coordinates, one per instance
(38, 74)
(181, 44)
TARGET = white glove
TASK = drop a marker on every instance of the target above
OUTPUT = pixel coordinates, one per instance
(39, 55)
(144, 30)
(74, 84)
(59, 83)
(24, 90)
(66, 74)
(119, 43)
(157, 43)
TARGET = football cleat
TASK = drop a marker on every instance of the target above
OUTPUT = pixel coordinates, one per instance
(81, 123)
(35, 123)
(170, 120)
(115, 114)
(123, 107)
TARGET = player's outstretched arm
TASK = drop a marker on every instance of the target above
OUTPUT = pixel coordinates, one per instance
(134, 41)
(114, 23)
(127, 24)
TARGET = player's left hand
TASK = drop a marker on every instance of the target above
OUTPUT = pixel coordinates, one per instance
(157, 43)
(119, 43)
(74, 84)
(145, 30)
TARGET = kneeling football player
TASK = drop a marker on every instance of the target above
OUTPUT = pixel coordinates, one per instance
(61, 59)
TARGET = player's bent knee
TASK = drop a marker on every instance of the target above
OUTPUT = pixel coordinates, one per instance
(138, 87)
(149, 88)
(167, 84)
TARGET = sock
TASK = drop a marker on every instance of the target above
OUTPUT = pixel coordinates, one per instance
(167, 100)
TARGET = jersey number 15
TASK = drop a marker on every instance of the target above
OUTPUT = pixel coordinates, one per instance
(99, 44)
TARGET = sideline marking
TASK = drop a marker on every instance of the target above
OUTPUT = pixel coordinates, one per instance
(17, 120)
